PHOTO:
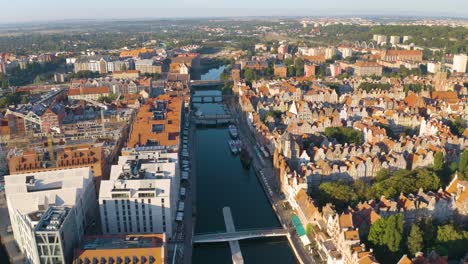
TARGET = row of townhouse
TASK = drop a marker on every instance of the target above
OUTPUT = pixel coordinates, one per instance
(338, 235)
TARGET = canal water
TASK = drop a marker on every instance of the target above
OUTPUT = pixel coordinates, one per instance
(222, 181)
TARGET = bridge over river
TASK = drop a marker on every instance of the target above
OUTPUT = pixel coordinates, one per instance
(238, 235)
(233, 236)
(206, 83)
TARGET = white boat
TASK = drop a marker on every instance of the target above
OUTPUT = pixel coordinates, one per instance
(180, 216)
(233, 147)
(238, 144)
(233, 131)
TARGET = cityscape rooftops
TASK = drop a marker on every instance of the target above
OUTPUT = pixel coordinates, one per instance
(157, 123)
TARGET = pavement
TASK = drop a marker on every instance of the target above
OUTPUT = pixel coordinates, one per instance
(7, 239)
(270, 184)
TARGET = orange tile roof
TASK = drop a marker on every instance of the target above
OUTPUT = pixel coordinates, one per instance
(116, 246)
(306, 205)
(351, 235)
(136, 52)
(367, 64)
(346, 220)
(404, 52)
(88, 90)
(405, 260)
(143, 124)
(449, 96)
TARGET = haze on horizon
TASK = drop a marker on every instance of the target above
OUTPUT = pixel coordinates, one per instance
(53, 10)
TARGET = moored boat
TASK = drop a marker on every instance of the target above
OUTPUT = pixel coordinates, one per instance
(233, 131)
(233, 146)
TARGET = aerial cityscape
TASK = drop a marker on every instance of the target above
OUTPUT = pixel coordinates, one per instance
(244, 132)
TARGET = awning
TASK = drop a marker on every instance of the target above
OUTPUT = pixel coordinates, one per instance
(298, 225)
(300, 230)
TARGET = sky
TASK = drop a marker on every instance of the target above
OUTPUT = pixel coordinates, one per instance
(52, 10)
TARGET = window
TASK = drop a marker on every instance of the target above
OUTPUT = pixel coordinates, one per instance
(157, 128)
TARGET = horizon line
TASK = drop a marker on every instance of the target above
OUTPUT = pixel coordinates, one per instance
(383, 16)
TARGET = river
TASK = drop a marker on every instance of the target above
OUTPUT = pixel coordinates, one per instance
(222, 181)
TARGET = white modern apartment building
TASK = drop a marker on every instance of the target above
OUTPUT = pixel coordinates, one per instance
(329, 53)
(395, 40)
(141, 194)
(380, 39)
(459, 63)
(49, 212)
(346, 52)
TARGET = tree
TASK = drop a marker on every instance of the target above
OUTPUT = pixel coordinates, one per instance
(299, 66)
(341, 194)
(405, 181)
(394, 232)
(344, 135)
(451, 241)
(463, 165)
(291, 71)
(249, 75)
(382, 174)
(438, 161)
(386, 235)
(415, 241)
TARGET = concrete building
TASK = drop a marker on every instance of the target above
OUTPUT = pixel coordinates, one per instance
(283, 49)
(459, 63)
(402, 55)
(329, 53)
(335, 69)
(71, 156)
(346, 52)
(379, 39)
(406, 38)
(149, 249)
(280, 70)
(362, 68)
(394, 40)
(50, 211)
(148, 66)
(309, 69)
(157, 123)
(141, 194)
(434, 67)
(88, 93)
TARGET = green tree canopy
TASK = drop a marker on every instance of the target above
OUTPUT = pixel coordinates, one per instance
(438, 161)
(344, 135)
(415, 241)
(386, 235)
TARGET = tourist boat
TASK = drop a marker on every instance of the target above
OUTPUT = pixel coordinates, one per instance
(233, 147)
(233, 131)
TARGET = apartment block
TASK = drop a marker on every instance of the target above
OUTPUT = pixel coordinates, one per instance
(142, 193)
(50, 211)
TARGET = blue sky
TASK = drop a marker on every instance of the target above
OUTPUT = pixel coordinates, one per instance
(48, 10)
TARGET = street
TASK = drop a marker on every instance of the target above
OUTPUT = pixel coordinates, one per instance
(7, 239)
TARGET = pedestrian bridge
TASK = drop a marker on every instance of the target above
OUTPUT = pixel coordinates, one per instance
(206, 82)
(238, 235)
